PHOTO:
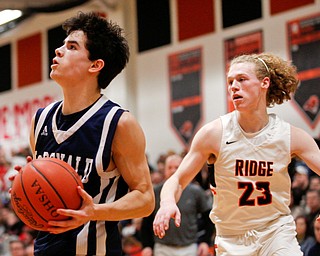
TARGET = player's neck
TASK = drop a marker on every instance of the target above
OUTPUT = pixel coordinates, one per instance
(76, 102)
(252, 123)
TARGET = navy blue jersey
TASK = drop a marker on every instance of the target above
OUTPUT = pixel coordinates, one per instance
(84, 141)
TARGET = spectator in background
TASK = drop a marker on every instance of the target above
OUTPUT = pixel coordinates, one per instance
(314, 183)
(305, 241)
(296, 210)
(315, 249)
(161, 163)
(157, 174)
(28, 235)
(300, 183)
(313, 208)
(156, 177)
(17, 157)
(182, 240)
(4, 166)
(29, 250)
(17, 248)
(13, 225)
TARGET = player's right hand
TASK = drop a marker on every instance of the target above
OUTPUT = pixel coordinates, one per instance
(162, 219)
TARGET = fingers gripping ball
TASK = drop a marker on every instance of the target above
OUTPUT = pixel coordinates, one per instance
(43, 186)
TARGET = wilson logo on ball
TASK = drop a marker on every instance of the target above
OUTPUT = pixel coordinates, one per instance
(23, 210)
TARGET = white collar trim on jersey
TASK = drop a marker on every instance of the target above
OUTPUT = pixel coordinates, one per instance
(60, 136)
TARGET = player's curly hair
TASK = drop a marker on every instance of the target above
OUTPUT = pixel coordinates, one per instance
(105, 41)
(282, 74)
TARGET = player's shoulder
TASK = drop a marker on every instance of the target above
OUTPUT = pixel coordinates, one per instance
(211, 130)
(45, 111)
(212, 125)
(301, 141)
(298, 133)
(127, 120)
(129, 131)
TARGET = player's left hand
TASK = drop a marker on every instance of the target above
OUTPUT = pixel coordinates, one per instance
(77, 217)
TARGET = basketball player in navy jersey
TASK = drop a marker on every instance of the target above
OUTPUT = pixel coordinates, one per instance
(102, 141)
(250, 150)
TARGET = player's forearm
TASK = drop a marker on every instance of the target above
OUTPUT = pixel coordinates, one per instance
(135, 204)
(171, 190)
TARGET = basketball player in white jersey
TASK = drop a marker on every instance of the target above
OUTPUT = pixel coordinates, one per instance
(250, 150)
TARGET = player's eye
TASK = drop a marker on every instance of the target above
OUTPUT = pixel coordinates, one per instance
(71, 47)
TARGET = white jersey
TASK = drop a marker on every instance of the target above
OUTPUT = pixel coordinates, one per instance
(252, 181)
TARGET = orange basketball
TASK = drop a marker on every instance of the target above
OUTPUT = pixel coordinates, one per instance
(43, 186)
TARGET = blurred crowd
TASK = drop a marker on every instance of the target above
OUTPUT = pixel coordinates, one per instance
(16, 238)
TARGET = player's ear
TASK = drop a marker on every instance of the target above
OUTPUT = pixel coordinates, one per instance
(96, 65)
(265, 82)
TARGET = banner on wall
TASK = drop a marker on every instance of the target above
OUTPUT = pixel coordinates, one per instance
(243, 44)
(185, 76)
(15, 121)
(304, 49)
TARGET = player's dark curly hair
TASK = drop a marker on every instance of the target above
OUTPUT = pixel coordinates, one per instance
(282, 74)
(105, 41)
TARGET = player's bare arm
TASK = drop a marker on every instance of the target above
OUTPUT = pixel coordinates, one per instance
(304, 146)
(128, 152)
(205, 144)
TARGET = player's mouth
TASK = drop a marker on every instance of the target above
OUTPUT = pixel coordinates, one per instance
(236, 97)
(54, 63)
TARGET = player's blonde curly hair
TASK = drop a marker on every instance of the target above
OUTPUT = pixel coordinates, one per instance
(282, 74)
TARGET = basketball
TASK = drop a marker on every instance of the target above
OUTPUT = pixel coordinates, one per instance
(41, 187)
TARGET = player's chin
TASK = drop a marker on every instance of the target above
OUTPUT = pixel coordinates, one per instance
(239, 106)
(53, 73)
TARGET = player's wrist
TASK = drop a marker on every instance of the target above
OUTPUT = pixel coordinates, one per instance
(167, 201)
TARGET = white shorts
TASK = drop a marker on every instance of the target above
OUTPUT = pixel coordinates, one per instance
(167, 250)
(273, 241)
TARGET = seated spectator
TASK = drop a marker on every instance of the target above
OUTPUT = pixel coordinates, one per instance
(313, 207)
(314, 183)
(296, 210)
(315, 249)
(4, 166)
(156, 177)
(13, 225)
(305, 241)
(17, 248)
(30, 250)
(300, 183)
